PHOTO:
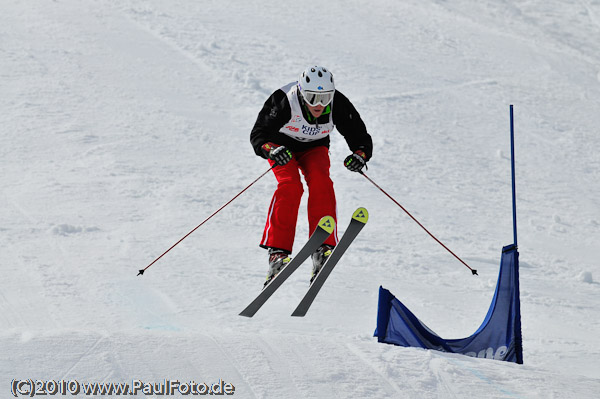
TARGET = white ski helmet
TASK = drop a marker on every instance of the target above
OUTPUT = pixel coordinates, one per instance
(316, 86)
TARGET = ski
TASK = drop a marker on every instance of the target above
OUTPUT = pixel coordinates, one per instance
(324, 229)
(358, 221)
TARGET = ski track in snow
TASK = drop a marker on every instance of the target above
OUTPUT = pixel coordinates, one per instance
(126, 123)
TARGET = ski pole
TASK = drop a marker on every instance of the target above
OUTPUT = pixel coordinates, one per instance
(413, 218)
(141, 272)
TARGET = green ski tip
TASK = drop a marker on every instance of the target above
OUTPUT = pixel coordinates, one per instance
(327, 223)
(361, 215)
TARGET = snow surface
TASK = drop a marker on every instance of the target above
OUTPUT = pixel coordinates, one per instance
(125, 124)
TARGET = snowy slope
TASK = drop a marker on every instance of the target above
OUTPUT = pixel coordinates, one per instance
(125, 124)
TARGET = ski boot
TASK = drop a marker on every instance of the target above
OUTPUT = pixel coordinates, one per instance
(277, 260)
(319, 258)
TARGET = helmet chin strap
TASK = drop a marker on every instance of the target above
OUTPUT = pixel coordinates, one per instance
(309, 114)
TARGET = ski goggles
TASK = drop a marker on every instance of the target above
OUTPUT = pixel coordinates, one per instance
(314, 98)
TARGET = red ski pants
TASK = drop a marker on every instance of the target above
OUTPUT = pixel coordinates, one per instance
(280, 228)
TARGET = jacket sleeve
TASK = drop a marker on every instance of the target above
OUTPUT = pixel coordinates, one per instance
(350, 125)
(275, 113)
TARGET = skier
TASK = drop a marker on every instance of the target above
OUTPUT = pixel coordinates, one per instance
(292, 131)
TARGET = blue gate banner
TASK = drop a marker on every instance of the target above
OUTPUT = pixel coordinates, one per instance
(498, 337)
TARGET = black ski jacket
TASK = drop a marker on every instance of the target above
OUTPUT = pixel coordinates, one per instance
(276, 112)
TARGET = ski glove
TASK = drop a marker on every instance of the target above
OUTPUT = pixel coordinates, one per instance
(278, 154)
(356, 161)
